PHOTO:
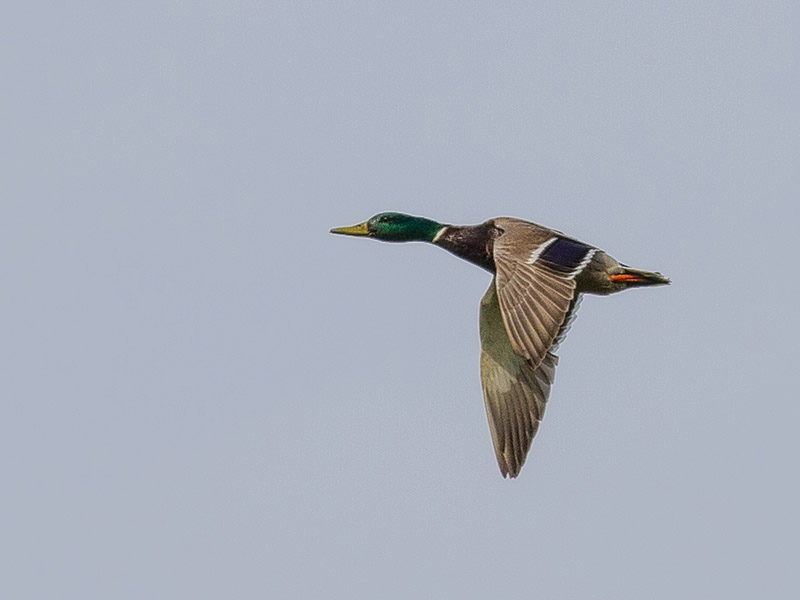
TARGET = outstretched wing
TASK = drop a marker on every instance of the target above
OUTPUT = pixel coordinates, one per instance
(535, 281)
(515, 392)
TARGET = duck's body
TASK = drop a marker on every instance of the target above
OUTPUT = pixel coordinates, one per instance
(589, 266)
(539, 276)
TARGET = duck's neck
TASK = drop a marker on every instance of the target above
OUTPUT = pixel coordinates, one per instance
(473, 243)
(421, 230)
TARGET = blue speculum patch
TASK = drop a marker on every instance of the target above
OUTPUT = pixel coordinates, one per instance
(565, 253)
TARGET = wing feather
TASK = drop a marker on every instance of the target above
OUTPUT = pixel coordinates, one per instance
(515, 392)
(525, 314)
(534, 297)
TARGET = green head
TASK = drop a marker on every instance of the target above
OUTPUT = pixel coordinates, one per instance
(394, 227)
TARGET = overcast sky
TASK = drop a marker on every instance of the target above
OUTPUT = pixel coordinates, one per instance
(204, 395)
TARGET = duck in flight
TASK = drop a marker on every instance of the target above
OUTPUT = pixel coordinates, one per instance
(539, 277)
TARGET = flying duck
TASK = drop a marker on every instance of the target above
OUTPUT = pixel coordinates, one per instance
(540, 275)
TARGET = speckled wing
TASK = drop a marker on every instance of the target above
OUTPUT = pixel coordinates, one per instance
(535, 282)
(515, 392)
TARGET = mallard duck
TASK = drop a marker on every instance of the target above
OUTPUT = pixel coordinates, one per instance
(540, 275)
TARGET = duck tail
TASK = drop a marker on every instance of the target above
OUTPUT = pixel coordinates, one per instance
(634, 277)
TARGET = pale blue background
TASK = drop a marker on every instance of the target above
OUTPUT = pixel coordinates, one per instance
(205, 395)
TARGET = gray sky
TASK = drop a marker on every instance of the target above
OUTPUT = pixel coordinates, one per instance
(206, 395)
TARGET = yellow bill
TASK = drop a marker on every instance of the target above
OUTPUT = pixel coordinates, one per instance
(360, 229)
